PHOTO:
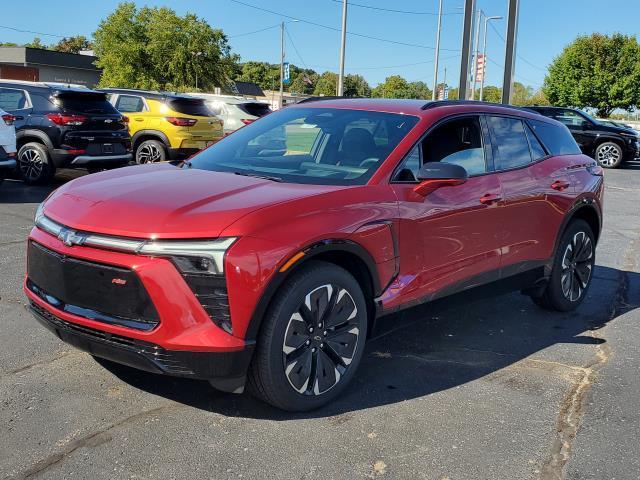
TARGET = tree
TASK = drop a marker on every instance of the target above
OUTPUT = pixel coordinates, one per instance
(155, 48)
(304, 82)
(36, 43)
(356, 86)
(397, 87)
(327, 84)
(419, 90)
(492, 94)
(598, 71)
(72, 44)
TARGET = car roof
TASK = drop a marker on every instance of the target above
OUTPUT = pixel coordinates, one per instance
(228, 99)
(55, 86)
(419, 108)
(152, 94)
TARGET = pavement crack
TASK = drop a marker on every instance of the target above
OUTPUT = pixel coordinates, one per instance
(572, 409)
(91, 440)
(48, 361)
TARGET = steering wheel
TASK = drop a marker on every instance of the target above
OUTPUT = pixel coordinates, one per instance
(368, 162)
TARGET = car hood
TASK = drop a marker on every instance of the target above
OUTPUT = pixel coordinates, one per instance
(163, 201)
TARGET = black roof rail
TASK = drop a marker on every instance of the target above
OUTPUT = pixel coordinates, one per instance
(443, 103)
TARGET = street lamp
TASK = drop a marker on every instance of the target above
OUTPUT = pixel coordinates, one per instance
(196, 54)
(484, 52)
(282, 61)
(435, 63)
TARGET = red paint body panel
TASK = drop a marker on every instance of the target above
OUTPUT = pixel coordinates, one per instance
(419, 245)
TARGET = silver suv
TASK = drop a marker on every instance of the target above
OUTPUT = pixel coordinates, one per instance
(235, 112)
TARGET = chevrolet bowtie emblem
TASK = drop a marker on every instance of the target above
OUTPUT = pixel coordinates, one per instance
(70, 237)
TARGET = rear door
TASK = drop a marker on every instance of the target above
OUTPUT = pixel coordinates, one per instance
(449, 240)
(527, 213)
(134, 107)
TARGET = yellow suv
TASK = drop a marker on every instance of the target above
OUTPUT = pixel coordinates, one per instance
(165, 126)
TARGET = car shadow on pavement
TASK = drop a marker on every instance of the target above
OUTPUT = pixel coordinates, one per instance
(427, 349)
(15, 191)
(631, 165)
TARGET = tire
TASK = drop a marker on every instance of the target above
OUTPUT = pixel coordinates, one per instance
(291, 343)
(572, 269)
(151, 151)
(609, 155)
(34, 164)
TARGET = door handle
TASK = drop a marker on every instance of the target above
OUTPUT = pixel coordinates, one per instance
(489, 198)
(138, 119)
(19, 117)
(560, 185)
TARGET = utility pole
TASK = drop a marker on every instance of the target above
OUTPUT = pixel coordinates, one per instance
(474, 69)
(467, 30)
(281, 65)
(510, 51)
(437, 59)
(484, 52)
(343, 45)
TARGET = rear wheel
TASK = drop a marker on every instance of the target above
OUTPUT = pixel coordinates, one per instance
(151, 151)
(572, 269)
(312, 339)
(34, 164)
(609, 155)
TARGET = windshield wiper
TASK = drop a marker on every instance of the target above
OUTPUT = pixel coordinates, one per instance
(257, 175)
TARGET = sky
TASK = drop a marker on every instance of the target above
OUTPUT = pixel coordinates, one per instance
(404, 43)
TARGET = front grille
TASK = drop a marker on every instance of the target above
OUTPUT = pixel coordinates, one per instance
(166, 360)
(211, 292)
(96, 291)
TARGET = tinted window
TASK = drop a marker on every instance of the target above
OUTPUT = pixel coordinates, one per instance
(320, 146)
(190, 106)
(255, 109)
(129, 103)
(80, 102)
(556, 138)
(11, 99)
(537, 150)
(511, 140)
(459, 142)
(570, 118)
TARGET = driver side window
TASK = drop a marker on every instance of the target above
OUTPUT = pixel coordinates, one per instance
(457, 141)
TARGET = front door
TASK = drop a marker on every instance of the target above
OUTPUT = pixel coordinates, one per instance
(448, 240)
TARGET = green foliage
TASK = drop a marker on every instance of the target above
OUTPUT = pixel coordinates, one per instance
(356, 86)
(397, 87)
(492, 94)
(72, 44)
(327, 84)
(598, 71)
(36, 43)
(155, 48)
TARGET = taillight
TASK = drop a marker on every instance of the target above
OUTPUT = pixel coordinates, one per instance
(181, 122)
(8, 119)
(595, 169)
(246, 121)
(66, 119)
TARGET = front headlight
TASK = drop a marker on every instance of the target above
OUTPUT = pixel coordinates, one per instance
(192, 256)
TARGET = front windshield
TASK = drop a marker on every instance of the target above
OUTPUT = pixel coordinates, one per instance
(321, 146)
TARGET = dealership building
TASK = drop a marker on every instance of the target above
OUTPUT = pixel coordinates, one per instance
(38, 65)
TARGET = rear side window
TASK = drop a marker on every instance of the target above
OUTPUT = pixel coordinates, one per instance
(537, 150)
(11, 99)
(81, 102)
(255, 109)
(511, 140)
(130, 103)
(190, 106)
(556, 138)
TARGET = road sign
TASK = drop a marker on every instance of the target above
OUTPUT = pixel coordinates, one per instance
(286, 78)
(480, 66)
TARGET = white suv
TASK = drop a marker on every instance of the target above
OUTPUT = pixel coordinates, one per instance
(235, 112)
(7, 144)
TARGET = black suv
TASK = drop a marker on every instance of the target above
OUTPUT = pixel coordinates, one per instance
(608, 144)
(63, 126)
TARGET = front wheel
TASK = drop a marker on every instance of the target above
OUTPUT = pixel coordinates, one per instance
(572, 269)
(150, 151)
(34, 164)
(312, 339)
(609, 155)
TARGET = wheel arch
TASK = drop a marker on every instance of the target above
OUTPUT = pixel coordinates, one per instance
(142, 135)
(27, 136)
(347, 254)
(587, 210)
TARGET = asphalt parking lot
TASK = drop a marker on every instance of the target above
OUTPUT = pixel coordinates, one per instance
(462, 389)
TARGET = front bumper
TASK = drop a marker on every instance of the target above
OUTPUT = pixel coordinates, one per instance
(185, 335)
(225, 370)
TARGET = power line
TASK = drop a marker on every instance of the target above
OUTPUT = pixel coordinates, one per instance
(517, 54)
(362, 35)
(255, 31)
(295, 48)
(391, 10)
(31, 31)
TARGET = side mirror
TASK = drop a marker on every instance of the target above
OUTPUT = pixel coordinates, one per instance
(434, 175)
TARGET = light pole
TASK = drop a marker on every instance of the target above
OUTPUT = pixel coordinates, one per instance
(196, 54)
(474, 70)
(484, 52)
(282, 61)
(437, 59)
(343, 44)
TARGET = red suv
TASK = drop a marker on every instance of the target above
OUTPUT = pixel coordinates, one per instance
(266, 258)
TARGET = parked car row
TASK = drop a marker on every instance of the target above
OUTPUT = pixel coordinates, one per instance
(57, 125)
